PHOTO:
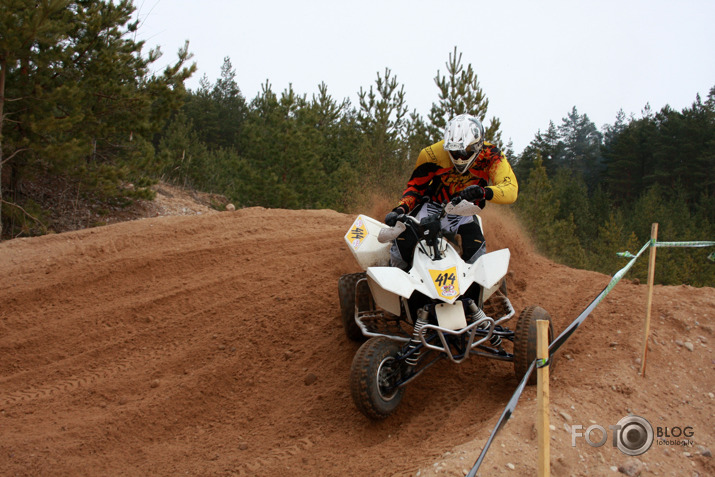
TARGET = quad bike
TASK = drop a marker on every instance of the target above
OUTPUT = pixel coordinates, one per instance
(442, 308)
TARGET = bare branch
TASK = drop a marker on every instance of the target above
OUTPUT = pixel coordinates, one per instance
(7, 159)
(26, 213)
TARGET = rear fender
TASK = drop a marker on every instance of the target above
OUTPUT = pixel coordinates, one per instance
(362, 238)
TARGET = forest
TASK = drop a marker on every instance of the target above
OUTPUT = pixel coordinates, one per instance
(78, 101)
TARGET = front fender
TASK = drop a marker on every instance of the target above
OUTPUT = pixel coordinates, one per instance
(395, 280)
(490, 268)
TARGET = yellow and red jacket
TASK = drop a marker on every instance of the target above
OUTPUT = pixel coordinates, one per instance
(435, 177)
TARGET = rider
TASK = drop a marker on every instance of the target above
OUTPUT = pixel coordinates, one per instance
(462, 164)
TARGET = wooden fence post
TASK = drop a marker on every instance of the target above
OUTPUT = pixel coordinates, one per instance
(542, 399)
(651, 279)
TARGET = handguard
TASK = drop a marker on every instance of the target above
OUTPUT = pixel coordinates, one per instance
(463, 207)
(389, 234)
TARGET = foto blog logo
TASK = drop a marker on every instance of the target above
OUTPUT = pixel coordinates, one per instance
(633, 435)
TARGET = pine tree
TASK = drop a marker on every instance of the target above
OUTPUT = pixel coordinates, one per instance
(28, 30)
(572, 192)
(460, 93)
(79, 93)
(382, 116)
(218, 110)
(610, 242)
(581, 147)
(629, 159)
(600, 207)
(418, 135)
(181, 153)
(640, 267)
(283, 150)
(538, 207)
(339, 138)
(537, 203)
(548, 146)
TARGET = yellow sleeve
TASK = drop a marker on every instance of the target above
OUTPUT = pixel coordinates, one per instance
(502, 182)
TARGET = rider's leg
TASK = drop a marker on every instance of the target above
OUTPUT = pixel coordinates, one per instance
(473, 244)
(402, 250)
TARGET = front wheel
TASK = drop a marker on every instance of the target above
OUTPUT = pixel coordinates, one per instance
(373, 377)
(525, 340)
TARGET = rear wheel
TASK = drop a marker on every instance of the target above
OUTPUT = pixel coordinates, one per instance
(347, 288)
(374, 373)
(525, 340)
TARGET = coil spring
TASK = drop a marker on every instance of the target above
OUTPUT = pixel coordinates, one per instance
(415, 340)
(478, 314)
(495, 340)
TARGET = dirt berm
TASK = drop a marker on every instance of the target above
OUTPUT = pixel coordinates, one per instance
(211, 345)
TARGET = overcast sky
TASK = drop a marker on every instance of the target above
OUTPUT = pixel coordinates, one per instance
(535, 60)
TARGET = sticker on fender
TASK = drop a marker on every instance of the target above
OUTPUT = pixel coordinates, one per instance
(445, 282)
(357, 233)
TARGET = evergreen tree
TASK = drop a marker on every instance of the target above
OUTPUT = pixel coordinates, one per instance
(600, 207)
(581, 147)
(538, 207)
(418, 135)
(686, 149)
(548, 146)
(340, 137)
(629, 160)
(611, 240)
(537, 203)
(382, 116)
(640, 267)
(657, 168)
(28, 32)
(460, 93)
(182, 154)
(218, 110)
(571, 190)
(78, 92)
(283, 150)
(673, 149)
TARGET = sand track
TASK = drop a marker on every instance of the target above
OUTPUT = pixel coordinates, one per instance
(212, 345)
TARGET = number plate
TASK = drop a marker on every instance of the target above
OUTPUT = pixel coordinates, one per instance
(451, 316)
(445, 282)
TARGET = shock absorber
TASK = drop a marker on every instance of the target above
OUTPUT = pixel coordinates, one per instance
(422, 320)
(478, 314)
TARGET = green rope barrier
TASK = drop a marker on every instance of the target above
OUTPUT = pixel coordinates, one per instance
(654, 243)
(685, 244)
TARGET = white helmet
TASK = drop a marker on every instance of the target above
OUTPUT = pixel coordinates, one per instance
(463, 139)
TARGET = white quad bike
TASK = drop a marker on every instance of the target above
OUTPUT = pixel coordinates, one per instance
(443, 307)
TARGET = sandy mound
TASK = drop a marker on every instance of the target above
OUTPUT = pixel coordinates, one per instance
(211, 345)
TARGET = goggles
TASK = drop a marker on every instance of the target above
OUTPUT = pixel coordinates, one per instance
(461, 155)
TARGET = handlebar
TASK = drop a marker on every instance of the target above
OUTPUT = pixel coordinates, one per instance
(429, 227)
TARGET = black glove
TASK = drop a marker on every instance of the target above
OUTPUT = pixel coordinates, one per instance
(391, 218)
(473, 193)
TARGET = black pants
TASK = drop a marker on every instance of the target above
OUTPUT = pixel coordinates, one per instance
(472, 242)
